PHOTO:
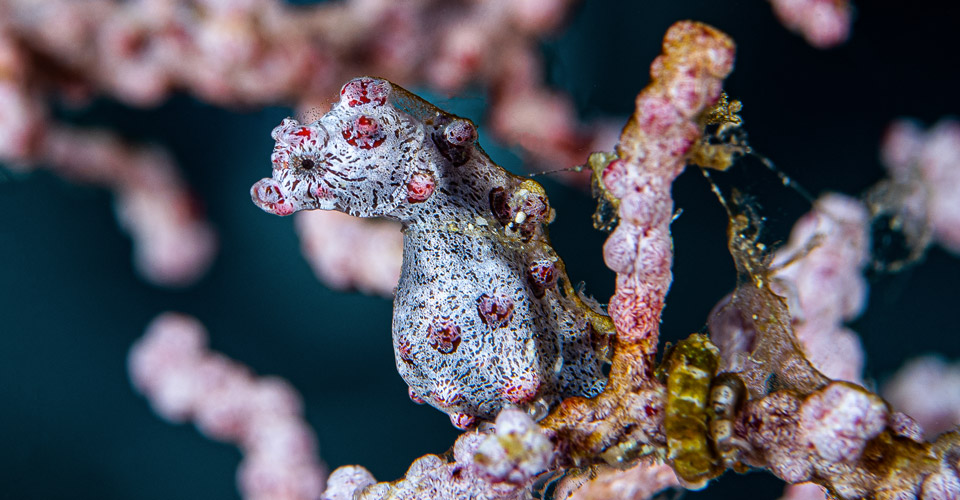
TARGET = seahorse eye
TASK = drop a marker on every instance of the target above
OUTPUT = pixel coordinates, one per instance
(306, 164)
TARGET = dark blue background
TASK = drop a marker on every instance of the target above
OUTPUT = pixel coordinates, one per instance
(70, 305)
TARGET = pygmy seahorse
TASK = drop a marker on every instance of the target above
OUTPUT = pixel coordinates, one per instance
(484, 314)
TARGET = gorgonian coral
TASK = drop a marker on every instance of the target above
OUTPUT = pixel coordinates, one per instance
(485, 318)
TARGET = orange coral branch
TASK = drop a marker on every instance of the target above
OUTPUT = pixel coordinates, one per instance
(686, 80)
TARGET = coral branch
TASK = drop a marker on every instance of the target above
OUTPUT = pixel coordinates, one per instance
(347, 252)
(805, 427)
(173, 243)
(919, 199)
(823, 23)
(640, 482)
(495, 465)
(685, 81)
(845, 439)
(517, 450)
(184, 381)
(822, 280)
(927, 389)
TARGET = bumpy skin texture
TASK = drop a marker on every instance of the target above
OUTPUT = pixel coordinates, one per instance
(483, 316)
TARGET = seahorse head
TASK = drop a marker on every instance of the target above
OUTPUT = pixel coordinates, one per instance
(364, 157)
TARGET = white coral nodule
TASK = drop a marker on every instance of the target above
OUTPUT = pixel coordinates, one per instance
(516, 451)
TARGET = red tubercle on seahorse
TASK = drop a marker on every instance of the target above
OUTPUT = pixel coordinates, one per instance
(420, 187)
(414, 396)
(364, 132)
(462, 421)
(541, 275)
(495, 310)
(360, 91)
(522, 390)
(444, 335)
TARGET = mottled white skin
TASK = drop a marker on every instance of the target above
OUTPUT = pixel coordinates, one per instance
(473, 329)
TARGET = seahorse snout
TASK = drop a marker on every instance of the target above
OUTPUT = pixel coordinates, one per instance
(270, 197)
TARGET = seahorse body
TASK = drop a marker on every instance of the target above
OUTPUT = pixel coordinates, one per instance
(484, 315)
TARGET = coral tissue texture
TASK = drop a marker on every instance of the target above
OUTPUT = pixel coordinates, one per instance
(686, 79)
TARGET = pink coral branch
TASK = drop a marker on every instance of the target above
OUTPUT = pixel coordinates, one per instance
(924, 169)
(184, 381)
(347, 252)
(823, 23)
(266, 52)
(928, 389)
(825, 286)
(639, 482)
(499, 464)
(173, 243)
(686, 79)
(819, 273)
(846, 438)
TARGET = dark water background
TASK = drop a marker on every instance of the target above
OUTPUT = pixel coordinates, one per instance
(70, 305)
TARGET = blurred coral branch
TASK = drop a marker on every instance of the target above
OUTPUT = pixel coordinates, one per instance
(184, 381)
(346, 252)
(260, 52)
(626, 419)
(823, 23)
